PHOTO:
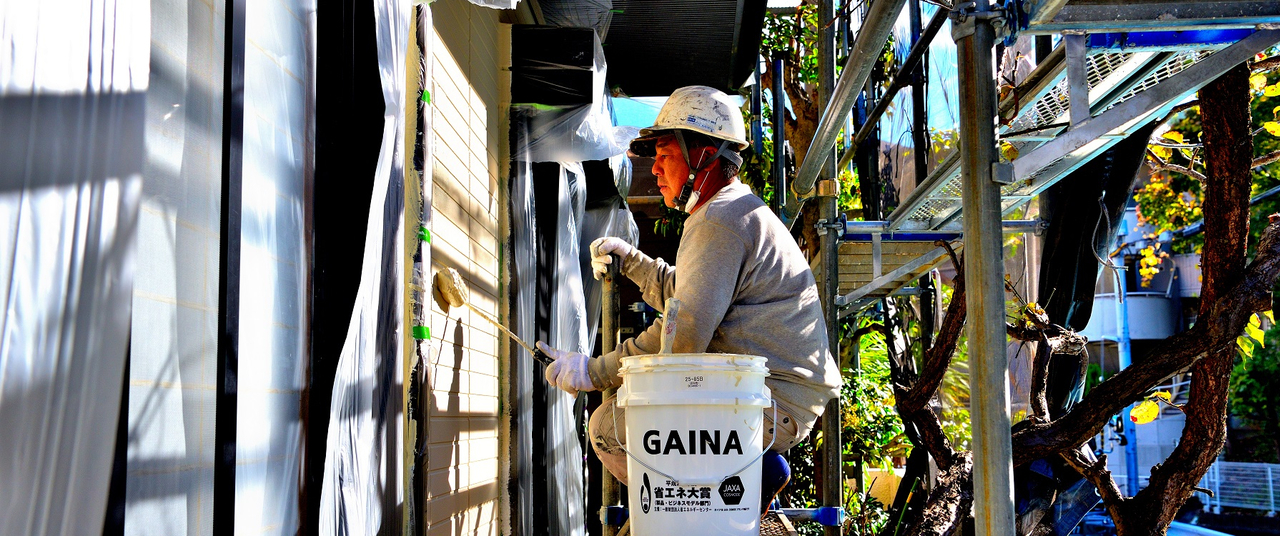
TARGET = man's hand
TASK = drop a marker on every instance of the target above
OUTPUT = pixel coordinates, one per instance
(568, 371)
(600, 250)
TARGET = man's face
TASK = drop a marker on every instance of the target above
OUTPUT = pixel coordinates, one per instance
(670, 169)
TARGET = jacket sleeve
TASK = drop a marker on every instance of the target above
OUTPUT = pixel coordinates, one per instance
(711, 261)
(656, 278)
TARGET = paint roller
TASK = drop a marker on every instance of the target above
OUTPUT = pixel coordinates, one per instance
(450, 286)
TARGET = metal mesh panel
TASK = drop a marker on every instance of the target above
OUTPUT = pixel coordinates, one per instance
(1175, 65)
(1057, 103)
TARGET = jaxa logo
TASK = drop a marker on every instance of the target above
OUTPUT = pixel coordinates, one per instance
(644, 494)
(731, 490)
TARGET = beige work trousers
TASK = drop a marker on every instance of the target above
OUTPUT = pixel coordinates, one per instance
(608, 446)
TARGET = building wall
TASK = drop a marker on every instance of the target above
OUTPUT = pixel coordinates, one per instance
(464, 476)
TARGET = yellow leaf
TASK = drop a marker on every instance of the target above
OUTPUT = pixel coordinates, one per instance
(1246, 345)
(1272, 90)
(1255, 333)
(1255, 320)
(1174, 136)
(1008, 151)
(1163, 395)
(1275, 112)
(1270, 317)
(1258, 81)
(1145, 412)
(1272, 127)
(1163, 152)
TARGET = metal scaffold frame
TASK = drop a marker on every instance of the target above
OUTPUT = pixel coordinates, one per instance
(1120, 66)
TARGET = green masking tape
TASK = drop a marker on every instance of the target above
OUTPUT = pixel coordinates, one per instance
(424, 235)
(426, 96)
(421, 332)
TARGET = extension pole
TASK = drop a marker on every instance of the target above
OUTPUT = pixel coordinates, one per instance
(779, 139)
(610, 491)
(984, 276)
(829, 240)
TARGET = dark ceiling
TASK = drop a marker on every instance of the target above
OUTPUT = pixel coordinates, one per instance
(656, 46)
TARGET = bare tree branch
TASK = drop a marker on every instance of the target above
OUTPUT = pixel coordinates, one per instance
(1097, 474)
(1224, 322)
(949, 503)
(1264, 160)
(938, 358)
(1265, 64)
(1163, 165)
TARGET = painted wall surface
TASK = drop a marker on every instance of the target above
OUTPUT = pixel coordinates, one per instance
(173, 358)
(464, 477)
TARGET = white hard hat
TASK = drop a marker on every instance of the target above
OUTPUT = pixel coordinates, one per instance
(698, 109)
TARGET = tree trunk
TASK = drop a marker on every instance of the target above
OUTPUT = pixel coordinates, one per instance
(1225, 120)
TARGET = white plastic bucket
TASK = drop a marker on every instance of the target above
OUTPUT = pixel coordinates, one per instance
(695, 430)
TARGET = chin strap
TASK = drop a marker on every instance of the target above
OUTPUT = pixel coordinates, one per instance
(688, 198)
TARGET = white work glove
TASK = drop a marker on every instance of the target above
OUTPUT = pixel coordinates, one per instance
(600, 250)
(568, 370)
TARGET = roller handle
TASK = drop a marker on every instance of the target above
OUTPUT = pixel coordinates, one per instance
(542, 357)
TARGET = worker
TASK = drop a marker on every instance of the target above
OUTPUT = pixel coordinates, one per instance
(744, 285)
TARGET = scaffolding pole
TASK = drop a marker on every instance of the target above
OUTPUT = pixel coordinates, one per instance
(829, 241)
(610, 491)
(974, 35)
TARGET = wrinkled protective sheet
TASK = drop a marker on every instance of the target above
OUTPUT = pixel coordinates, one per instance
(72, 94)
(362, 483)
(565, 137)
(496, 4)
(597, 14)
(569, 134)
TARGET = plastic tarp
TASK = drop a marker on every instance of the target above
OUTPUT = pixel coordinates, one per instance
(549, 209)
(595, 14)
(578, 133)
(496, 4)
(363, 489)
(72, 96)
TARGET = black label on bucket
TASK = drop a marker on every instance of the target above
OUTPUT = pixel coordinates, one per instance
(644, 495)
(731, 490)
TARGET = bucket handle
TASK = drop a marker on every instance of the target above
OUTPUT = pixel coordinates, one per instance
(676, 481)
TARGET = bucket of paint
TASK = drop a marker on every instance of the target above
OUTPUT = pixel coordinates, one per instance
(695, 434)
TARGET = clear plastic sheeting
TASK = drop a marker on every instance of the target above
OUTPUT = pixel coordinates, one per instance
(553, 206)
(274, 290)
(568, 331)
(496, 4)
(362, 486)
(595, 14)
(578, 133)
(72, 95)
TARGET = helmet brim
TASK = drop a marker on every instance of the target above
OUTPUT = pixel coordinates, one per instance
(646, 144)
